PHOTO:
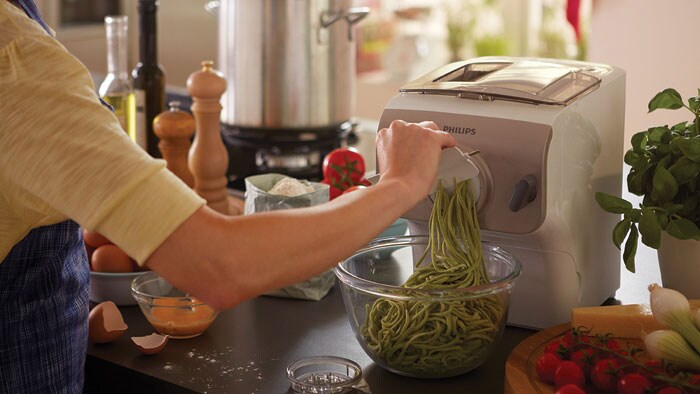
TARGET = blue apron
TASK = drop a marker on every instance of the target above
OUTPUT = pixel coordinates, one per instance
(44, 304)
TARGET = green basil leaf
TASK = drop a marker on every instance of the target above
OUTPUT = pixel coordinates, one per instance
(668, 99)
(613, 204)
(673, 208)
(663, 219)
(683, 229)
(650, 229)
(690, 147)
(630, 248)
(639, 142)
(656, 134)
(634, 159)
(694, 103)
(665, 186)
(620, 232)
(635, 183)
(684, 170)
(680, 127)
(690, 205)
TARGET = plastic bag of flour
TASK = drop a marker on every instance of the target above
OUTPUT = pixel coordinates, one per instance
(271, 192)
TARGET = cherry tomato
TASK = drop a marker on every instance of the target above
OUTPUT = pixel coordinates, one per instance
(604, 375)
(669, 390)
(633, 383)
(570, 389)
(343, 167)
(333, 191)
(546, 365)
(353, 188)
(569, 373)
(584, 359)
(557, 347)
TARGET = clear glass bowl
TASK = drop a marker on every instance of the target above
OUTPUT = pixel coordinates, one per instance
(169, 310)
(423, 333)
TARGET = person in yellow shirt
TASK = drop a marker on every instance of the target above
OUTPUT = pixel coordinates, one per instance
(65, 163)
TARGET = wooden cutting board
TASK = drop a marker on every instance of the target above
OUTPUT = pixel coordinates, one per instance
(521, 376)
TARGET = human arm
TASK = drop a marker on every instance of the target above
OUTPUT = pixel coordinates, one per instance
(226, 260)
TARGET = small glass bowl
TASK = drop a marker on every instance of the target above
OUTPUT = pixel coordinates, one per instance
(323, 375)
(371, 284)
(171, 311)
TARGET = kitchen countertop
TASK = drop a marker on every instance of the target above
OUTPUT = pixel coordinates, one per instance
(247, 349)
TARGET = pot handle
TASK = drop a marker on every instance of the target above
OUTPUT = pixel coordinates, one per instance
(351, 15)
(212, 7)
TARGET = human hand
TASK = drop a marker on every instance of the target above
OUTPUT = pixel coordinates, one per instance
(409, 153)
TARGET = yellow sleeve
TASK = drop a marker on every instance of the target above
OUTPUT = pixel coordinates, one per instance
(59, 145)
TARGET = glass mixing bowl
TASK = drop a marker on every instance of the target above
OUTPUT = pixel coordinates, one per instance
(169, 310)
(425, 333)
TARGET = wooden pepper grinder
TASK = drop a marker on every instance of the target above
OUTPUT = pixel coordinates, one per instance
(175, 128)
(208, 158)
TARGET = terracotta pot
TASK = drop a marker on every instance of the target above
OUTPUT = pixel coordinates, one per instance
(679, 262)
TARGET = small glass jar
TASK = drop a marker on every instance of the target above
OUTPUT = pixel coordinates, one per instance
(324, 375)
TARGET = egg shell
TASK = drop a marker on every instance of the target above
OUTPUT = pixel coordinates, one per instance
(105, 323)
(150, 344)
(94, 239)
(110, 258)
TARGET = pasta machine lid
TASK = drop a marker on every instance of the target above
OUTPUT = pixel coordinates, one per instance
(534, 81)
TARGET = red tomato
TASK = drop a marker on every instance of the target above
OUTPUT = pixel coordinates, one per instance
(669, 390)
(633, 383)
(557, 347)
(604, 375)
(333, 191)
(353, 188)
(546, 366)
(584, 359)
(569, 373)
(570, 389)
(344, 167)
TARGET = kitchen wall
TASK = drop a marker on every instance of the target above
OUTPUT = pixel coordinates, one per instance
(651, 40)
(187, 34)
(654, 42)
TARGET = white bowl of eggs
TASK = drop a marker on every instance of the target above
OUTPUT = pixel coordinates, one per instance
(111, 270)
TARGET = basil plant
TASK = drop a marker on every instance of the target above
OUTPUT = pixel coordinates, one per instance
(665, 164)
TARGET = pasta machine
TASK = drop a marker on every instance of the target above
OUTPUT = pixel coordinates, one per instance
(545, 135)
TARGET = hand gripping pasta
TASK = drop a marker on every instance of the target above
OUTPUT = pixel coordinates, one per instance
(431, 337)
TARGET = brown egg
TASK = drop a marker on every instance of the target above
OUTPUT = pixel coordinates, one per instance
(105, 323)
(89, 250)
(94, 239)
(150, 344)
(109, 258)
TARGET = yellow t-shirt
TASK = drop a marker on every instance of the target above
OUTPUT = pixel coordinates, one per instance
(64, 155)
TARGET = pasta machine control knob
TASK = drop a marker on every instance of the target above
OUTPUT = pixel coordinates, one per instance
(525, 191)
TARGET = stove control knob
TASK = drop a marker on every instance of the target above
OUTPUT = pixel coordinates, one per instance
(525, 192)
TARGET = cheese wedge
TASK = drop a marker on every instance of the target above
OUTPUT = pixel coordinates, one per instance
(622, 321)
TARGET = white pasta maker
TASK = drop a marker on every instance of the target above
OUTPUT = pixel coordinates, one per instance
(545, 135)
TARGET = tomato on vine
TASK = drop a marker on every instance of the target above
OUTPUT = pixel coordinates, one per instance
(633, 383)
(343, 167)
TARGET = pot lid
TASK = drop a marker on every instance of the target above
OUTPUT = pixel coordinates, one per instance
(530, 80)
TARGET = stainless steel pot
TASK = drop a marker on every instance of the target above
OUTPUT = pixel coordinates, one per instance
(288, 63)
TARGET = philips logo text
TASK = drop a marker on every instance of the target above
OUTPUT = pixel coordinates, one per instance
(459, 130)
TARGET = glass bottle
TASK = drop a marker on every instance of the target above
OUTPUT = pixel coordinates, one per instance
(116, 89)
(148, 78)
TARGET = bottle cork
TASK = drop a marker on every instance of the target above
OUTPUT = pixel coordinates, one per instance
(208, 157)
(175, 128)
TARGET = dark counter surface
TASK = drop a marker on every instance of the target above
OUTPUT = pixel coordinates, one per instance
(247, 350)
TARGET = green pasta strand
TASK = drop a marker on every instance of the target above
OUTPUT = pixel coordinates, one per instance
(439, 338)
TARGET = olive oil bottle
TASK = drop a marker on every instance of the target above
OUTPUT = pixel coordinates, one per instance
(116, 88)
(148, 78)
